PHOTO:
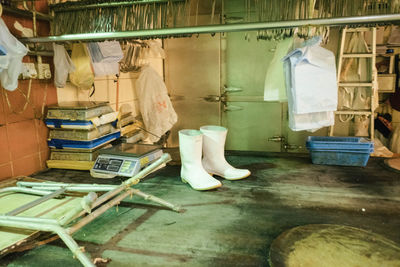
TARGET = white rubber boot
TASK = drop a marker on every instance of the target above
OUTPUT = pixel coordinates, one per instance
(214, 161)
(192, 171)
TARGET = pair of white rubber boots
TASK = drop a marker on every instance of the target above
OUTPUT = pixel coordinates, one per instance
(197, 171)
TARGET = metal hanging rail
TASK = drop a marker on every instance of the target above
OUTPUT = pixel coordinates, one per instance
(78, 6)
(160, 33)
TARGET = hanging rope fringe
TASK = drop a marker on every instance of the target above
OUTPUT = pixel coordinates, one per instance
(113, 15)
(278, 10)
(109, 16)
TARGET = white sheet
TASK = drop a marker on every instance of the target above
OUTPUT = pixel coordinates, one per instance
(274, 87)
(311, 86)
(314, 83)
(105, 57)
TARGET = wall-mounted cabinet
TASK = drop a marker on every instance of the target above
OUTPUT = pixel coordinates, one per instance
(386, 73)
(386, 83)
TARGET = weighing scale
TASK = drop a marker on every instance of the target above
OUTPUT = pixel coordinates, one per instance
(125, 160)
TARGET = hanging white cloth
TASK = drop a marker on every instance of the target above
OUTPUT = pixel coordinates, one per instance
(63, 65)
(111, 49)
(309, 121)
(155, 106)
(311, 86)
(274, 87)
(105, 57)
(11, 63)
(313, 75)
(154, 49)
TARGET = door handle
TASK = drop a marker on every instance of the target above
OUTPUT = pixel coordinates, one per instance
(232, 89)
(232, 108)
(212, 98)
(276, 138)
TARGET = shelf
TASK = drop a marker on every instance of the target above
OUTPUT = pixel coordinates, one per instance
(350, 112)
(359, 30)
(355, 84)
(363, 55)
(25, 13)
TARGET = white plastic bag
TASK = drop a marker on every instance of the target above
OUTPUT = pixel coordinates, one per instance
(82, 77)
(362, 98)
(62, 65)
(346, 98)
(274, 87)
(10, 64)
(155, 106)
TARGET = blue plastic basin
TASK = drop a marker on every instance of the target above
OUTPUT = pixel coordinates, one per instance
(338, 143)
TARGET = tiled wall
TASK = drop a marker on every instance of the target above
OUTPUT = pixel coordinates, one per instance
(23, 146)
(106, 89)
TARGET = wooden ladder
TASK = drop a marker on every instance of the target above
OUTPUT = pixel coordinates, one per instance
(372, 84)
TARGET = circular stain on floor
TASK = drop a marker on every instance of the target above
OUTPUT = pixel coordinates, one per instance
(332, 246)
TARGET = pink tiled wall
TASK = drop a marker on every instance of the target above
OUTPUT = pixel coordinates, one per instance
(23, 135)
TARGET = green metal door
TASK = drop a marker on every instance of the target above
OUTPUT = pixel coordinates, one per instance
(192, 76)
(254, 125)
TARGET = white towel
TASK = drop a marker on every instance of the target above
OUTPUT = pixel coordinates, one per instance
(313, 76)
(111, 49)
(105, 57)
(311, 86)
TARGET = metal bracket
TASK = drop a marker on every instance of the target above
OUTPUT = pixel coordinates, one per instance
(290, 147)
(276, 138)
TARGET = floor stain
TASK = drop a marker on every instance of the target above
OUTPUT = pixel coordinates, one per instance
(237, 223)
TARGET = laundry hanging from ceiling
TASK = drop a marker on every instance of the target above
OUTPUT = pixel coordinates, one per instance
(274, 86)
(311, 86)
(105, 57)
(138, 53)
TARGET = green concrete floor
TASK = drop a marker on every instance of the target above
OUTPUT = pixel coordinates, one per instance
(233, 225)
